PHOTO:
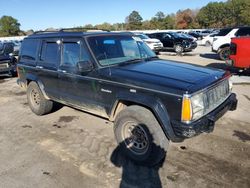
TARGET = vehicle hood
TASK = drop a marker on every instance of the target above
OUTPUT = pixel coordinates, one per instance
(151, 40)
(168, 76)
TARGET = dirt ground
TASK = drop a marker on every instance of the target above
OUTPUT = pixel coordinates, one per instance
(70, 148)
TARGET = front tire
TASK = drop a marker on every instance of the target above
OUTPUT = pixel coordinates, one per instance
(178, 49)
(224, 53)
(140, 136)
(37, 102)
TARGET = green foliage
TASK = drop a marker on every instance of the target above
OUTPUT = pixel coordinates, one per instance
(9, 26)
(230, 13)
(134, 21)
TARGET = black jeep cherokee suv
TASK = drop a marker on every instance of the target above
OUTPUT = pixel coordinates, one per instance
(117, 76)
(174, 41)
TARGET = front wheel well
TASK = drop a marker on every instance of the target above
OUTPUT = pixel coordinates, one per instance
(122, 104)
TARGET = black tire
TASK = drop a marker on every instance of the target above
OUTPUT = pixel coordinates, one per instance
(37, 102)
(224, 53)
(207, 44)
(178, 49)
(140, 136)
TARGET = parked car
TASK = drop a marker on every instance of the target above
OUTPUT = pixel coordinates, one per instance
(7, 60)
(239, 53)
(174, 41)
(221, 43)
(154, 44)
(208, 40)
(197, 35)
(116, 76)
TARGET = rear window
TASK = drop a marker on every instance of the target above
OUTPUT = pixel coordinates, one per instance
(29, 49)
(243, 32)
(224, 32)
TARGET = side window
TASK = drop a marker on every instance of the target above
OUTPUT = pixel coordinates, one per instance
(49, 53)
(71, 53)
(243, 32)
(29, 49)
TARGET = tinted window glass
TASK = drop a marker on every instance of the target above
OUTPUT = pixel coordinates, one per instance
(29, 49)
(224, 32)
(49, 52)
(243, 31)
(71, 53)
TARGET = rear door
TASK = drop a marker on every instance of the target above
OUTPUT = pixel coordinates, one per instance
(49, 58)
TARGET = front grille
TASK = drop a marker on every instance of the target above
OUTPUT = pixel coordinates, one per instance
(4, 65)
(216, 95)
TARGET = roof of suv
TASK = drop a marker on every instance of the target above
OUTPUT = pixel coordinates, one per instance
(74, 34)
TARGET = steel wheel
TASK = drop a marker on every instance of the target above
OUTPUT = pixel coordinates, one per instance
(135, 138)
(35, 98)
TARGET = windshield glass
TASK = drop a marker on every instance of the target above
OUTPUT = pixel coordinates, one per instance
(142, 36)
(114, 49)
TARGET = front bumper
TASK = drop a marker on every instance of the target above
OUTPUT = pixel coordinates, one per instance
(206, 123)
(190, 47)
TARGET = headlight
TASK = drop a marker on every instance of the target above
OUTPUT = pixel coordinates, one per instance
(192, 107)
(197, 106)
(230, 84)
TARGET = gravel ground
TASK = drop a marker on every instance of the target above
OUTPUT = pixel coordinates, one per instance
(70, 148)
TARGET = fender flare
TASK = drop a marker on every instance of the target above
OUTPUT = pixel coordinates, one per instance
(31, 77)
(157, 108)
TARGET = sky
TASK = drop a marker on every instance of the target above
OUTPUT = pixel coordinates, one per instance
(42, 14)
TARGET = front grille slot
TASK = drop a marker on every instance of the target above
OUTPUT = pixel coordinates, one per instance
(216, 95)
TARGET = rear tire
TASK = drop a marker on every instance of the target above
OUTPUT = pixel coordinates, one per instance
(37, 102)
(207, 44)
(140, 136)
(224, 53)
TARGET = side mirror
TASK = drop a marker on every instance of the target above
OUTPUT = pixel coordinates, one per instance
(84, 66)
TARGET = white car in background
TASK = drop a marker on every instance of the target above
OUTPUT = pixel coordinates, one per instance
(208, 40)
(154, 44)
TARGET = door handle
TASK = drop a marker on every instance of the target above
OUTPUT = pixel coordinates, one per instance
(39, 67)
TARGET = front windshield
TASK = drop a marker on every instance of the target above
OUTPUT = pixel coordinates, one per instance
(142, 36)
(116, 49)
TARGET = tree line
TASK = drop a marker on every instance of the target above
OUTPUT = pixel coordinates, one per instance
(214, 15)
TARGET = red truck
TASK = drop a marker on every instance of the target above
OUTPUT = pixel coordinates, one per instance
(239, 53)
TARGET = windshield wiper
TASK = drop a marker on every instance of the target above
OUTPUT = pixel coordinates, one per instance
(130, 61)
(151, 58)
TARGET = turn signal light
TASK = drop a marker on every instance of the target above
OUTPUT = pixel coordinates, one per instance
(186, 115)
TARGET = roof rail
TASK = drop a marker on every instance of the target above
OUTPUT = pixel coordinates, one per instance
(73, 29)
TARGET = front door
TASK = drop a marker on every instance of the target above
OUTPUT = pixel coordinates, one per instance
(76, 88)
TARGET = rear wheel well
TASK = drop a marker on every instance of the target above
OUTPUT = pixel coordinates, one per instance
(224, 45)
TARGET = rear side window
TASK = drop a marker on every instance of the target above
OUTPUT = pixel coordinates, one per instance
(29, 49)
(49, 53)
(243, 32)
(224, 32)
